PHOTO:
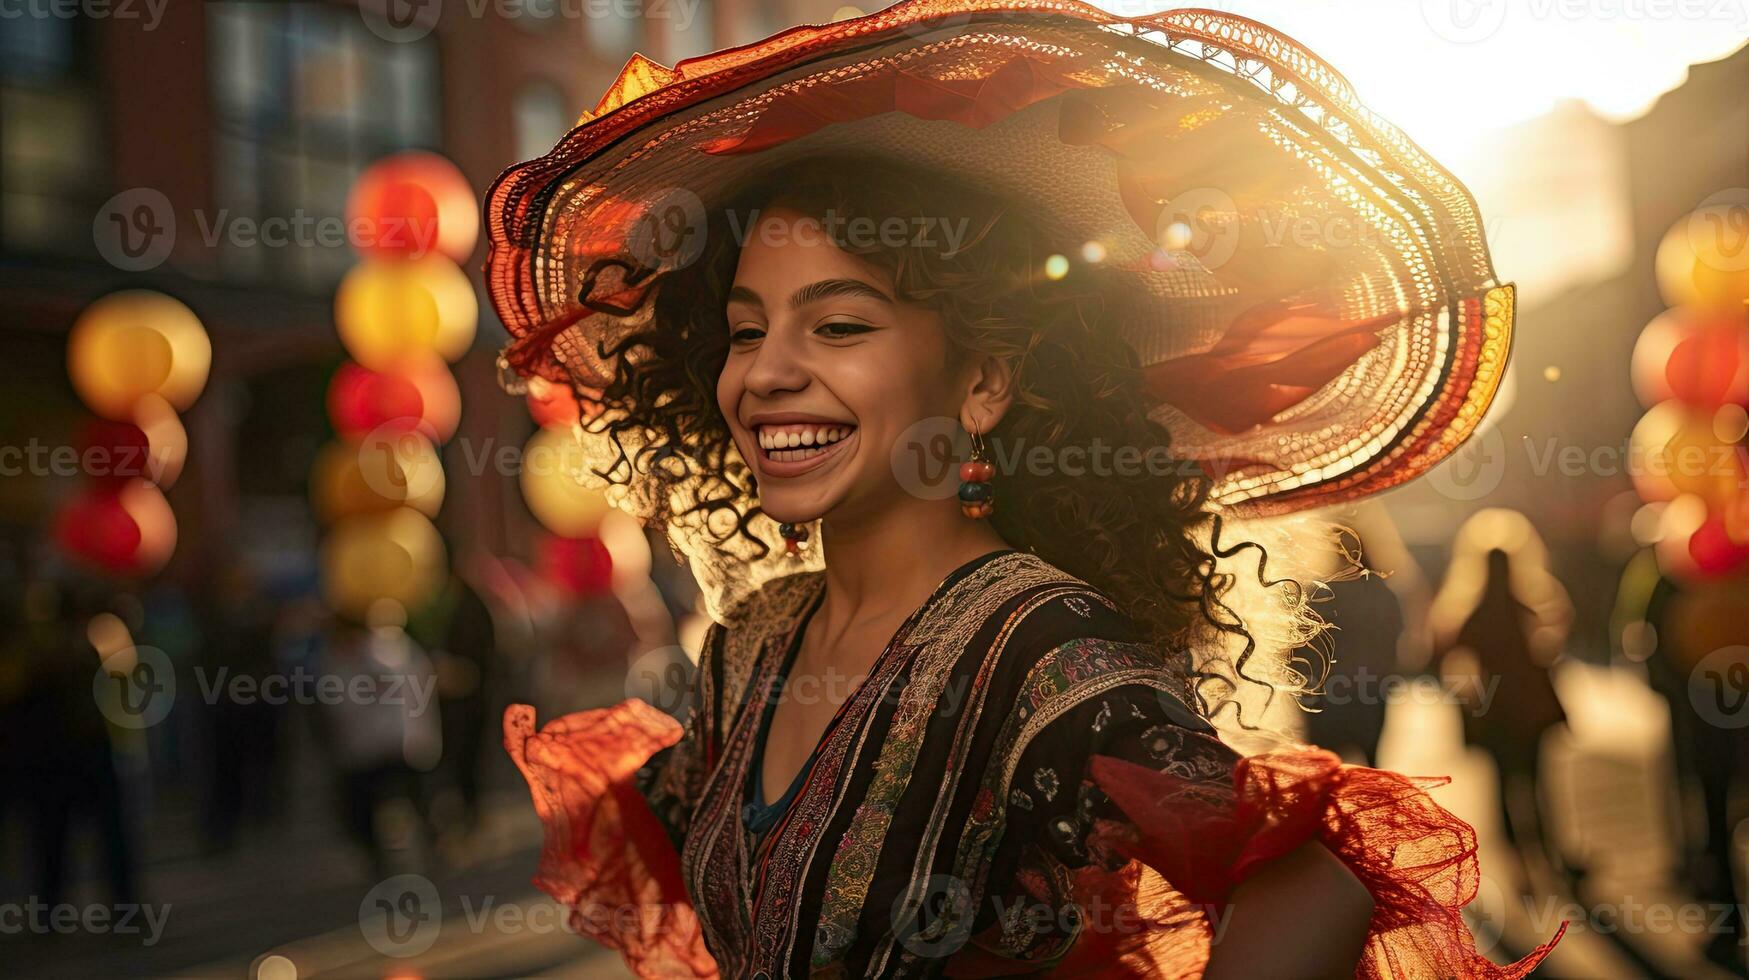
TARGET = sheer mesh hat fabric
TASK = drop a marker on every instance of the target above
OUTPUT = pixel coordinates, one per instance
(1310, 295)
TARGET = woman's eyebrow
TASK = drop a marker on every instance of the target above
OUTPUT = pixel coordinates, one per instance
(811, 293)
(815, 291)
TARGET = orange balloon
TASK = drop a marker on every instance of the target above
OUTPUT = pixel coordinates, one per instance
(411, 205)
(390, 312)
(135, 343)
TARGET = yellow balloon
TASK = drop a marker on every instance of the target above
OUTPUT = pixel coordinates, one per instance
(387, 311)
(552, 464)
(135, 343)
(1703, 260)
(396, 555)
(385, 471)
(1675, 450)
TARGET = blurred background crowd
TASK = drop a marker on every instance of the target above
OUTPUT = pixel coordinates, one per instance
(276, 548)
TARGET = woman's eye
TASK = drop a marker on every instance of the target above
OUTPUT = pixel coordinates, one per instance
(841, 328)
(745, 335)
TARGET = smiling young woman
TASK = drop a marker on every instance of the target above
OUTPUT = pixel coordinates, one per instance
(969, 734)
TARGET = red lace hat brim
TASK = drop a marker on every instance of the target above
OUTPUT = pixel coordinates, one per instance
(1311, 296)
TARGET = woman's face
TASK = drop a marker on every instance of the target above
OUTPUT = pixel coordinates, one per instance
(825, 371)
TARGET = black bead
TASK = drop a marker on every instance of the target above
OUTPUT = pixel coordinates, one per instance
(974, 493)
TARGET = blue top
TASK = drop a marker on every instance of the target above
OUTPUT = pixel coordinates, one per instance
(758, 817)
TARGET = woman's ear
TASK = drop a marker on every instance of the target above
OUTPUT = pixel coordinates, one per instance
(989, 395)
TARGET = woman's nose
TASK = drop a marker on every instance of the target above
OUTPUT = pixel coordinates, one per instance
(777, 366)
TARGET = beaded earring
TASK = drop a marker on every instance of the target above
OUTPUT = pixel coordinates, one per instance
(793, 538)
(977, 497)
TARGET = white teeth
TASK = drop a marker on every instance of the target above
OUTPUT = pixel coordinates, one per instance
(774, 438)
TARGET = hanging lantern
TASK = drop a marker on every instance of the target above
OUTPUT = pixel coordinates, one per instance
(390, 312)
(411, 205)
(135, 343)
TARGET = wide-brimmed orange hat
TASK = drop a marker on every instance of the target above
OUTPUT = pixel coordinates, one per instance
(1309, 293)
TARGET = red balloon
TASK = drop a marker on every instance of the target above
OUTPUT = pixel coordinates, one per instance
(360, 400)
(1713, 551)
(580, 566)
(410, 205)
(112, 453)
(1700, 357)
(418, 395)
(126, 529)
(95, 527)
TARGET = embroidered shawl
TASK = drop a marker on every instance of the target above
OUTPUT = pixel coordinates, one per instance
(1018, 787)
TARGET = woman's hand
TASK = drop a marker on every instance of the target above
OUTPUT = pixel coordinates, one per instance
(1303, 915)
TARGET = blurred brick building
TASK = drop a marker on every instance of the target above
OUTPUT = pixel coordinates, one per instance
(194, 126)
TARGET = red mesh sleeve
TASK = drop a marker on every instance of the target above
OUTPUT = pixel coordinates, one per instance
(606, 854)
(1204, 838)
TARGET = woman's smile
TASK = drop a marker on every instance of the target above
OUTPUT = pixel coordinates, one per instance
(790, 446)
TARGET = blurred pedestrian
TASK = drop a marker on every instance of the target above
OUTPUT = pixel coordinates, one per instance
(1497, 661)
(384, 735)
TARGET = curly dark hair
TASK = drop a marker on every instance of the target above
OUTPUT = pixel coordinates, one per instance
(1138, 534)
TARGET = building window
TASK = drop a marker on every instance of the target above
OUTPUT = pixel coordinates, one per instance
(305, 97)
(690, 30)
(543, 114)
(613, 31)
(53, 161)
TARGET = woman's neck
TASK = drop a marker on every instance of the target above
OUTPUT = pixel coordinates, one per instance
(888, 563)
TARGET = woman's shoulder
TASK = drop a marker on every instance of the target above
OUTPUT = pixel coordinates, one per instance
(773, 602)
(1051, 607)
